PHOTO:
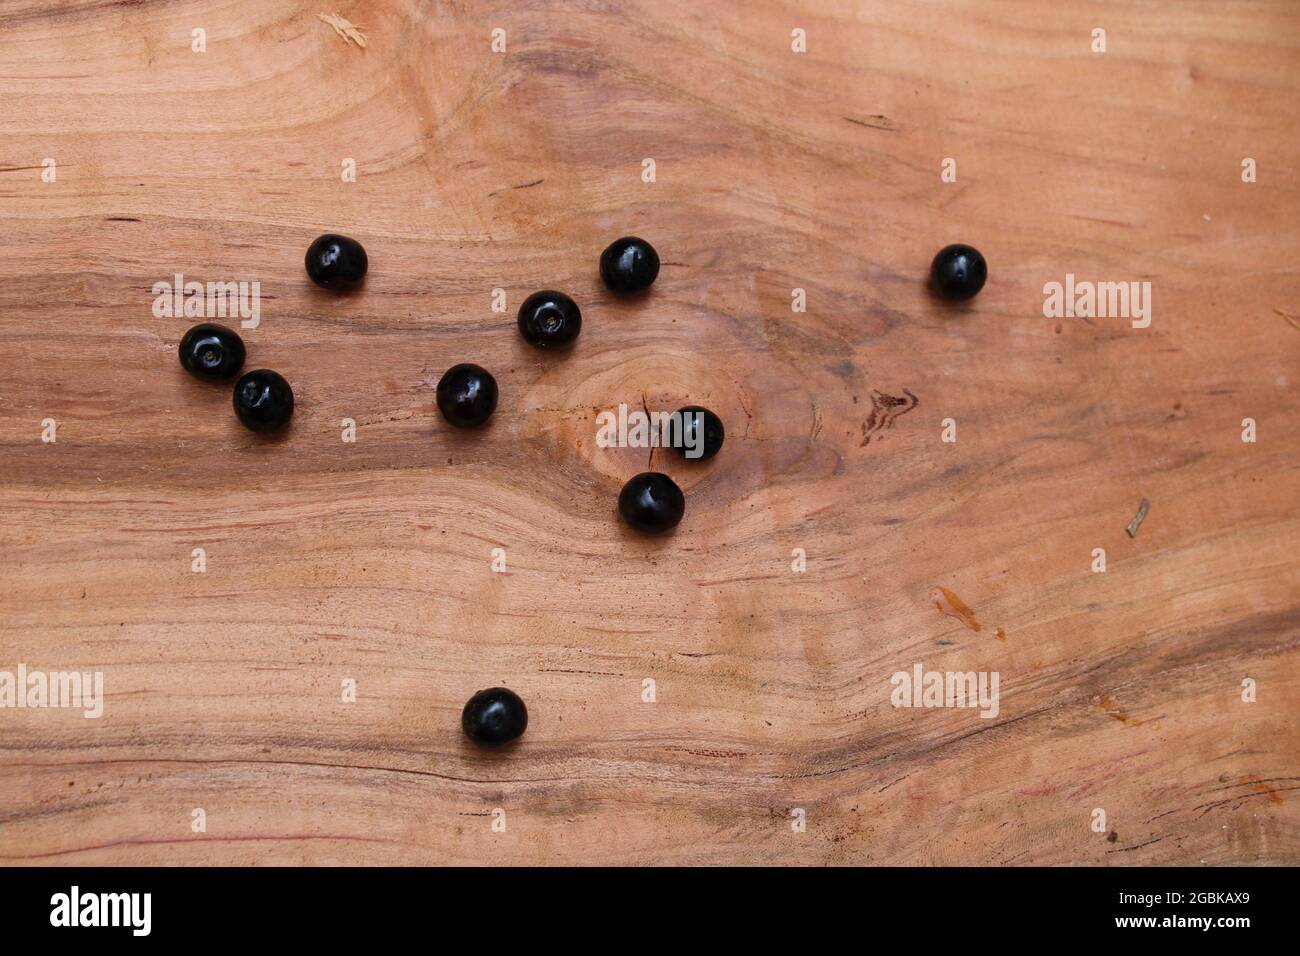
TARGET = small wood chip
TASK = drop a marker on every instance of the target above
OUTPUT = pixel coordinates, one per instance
(1138, 518)
(344, 28)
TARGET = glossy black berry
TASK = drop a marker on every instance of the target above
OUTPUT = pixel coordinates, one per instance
(701, 433)
(651, 502)
(549, 319)
(629, 264)
(263, 400)
(212, 351)
(494, 716)
(336, 262)
(958, 272)
(467, 394)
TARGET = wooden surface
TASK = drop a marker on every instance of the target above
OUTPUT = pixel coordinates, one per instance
(775, 170)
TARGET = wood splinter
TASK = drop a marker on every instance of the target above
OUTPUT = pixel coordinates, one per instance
(1138, 518)
(344, 28)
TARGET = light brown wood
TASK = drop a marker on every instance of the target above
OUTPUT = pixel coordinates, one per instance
(775, 170)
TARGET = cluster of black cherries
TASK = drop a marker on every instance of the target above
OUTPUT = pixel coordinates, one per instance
(467, 395)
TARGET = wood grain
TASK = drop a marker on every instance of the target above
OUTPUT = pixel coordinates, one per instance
(775, 170)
